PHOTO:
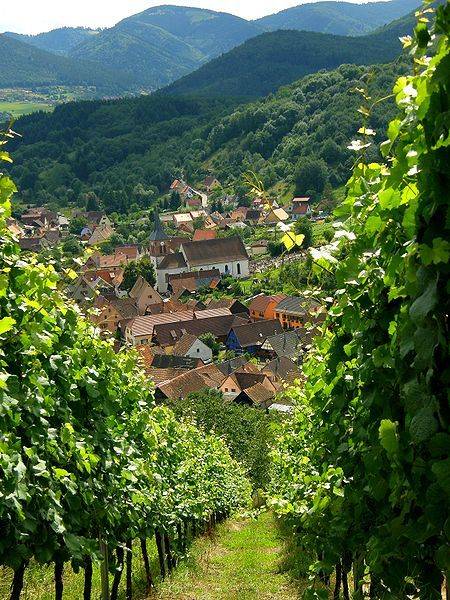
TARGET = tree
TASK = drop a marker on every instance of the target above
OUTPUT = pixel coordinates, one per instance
(142, 267)
(72, 247)
(303, 226)
(76, 225)
(311, 174)
(198, 223)
(246, 430)
(92, 202)
(211, 341)
(175, 200)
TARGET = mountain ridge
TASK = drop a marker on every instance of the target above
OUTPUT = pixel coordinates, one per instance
(339, 18)
(262, 64)
(161, 44)
(24, 65)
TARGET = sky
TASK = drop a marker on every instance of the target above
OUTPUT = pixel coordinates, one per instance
(34, 16)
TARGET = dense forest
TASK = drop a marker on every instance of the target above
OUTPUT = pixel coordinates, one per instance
(128, 151)
(341, 18)
(60, 41)
(263, 64)
(24, 65)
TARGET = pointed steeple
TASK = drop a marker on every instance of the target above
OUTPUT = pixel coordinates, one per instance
(158, 234)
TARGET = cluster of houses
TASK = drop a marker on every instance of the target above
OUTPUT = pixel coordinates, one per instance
(266, 353)
(165, 321)
(39, 228)
(172, 329)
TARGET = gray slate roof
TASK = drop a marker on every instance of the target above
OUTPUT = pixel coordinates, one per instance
(256, 333)
(220, 250)
(284, 344)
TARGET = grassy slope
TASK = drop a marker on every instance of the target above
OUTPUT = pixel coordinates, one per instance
(243, 561)
(39, 580)
(17, 109)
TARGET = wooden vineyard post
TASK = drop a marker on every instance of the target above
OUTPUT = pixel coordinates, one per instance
(104, 570)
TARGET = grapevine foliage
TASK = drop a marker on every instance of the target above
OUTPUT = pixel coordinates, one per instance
(363, 470)
(84, 452)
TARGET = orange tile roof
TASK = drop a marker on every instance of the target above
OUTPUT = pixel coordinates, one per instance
(204, 234)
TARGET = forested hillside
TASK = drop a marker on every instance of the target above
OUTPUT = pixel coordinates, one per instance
(60, 41)
(111, 147)
(263, 64)
(342, 18)
(24, 65)
(163, 43)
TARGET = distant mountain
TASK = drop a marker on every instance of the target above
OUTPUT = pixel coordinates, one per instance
(165, 42)
(160, 45)
(23, 65)
(59, 41)
(341, 18)
(263, 64)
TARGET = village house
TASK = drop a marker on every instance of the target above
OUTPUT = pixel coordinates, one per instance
(210, 183)
(295, 311)
(246, 387)
(111, 311)
(101, 234)
(300, 207)
(32, 244)
(196, 380)
(236, 307)
(287, 344)
(112, 278)
(193, 281)
(168, 334)
(262, 307)
(140, 330)
(131, 251)
(85, 289)
(276, 215)
(14, 227)
(204, 234)
(227, 255)
(144, 295)
(282, 369)
(190, 345)
(39, 216)
(251, 336)
(259, 247)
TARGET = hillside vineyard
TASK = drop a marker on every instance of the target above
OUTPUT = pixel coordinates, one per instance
(224, 306)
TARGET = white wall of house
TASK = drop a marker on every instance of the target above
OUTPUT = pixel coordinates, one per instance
(236, 268)
(200, 350)
(162, 274)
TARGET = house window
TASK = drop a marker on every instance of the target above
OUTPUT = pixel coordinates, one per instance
(238, 269)
(198, 350)
(226, 389)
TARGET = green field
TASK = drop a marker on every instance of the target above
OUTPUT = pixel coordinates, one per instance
(17, 109)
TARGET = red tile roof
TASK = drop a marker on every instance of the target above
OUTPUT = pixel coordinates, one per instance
(261, 303)
(195, 380)
(204, 234)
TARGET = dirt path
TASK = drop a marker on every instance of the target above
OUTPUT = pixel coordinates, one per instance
(242, 562)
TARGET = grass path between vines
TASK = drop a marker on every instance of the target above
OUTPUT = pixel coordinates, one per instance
(242, 561)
